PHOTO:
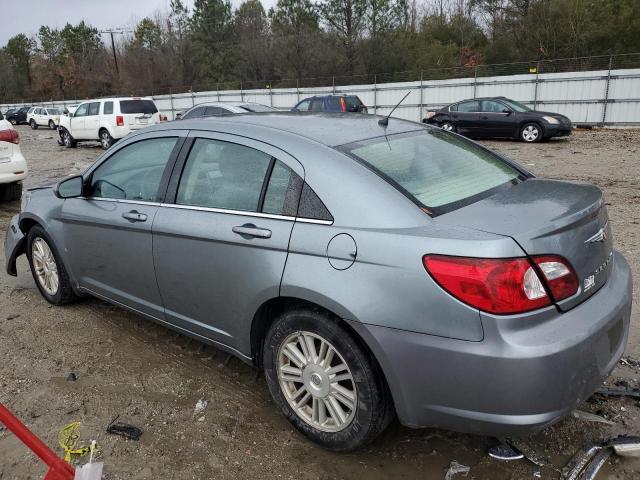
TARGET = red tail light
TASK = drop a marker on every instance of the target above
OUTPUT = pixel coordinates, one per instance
(10, 136)
(163, 118)
(120, 120)
(343, 105)
(503, 285)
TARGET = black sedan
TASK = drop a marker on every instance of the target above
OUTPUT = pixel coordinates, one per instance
(17, 116)
(499, 117)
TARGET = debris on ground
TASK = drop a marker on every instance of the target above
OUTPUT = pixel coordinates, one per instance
(619, 391)
(590, 417)
(456, 468)
(69, 438)
(591, 458)
(124, 430)
(72, 377)
(13, 316)
(201, 406)
(90, 471)
(505, 452)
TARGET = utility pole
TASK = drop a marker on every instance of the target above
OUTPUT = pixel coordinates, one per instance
(111, 32)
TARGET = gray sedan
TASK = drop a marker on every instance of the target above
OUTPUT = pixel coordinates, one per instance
(369, 269)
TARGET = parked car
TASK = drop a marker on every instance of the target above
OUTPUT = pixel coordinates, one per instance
(17, 116)
(43, 116)
(211, 109)
(366, 268)
(107, 120)
(13, 167)
(499, 117)
(331, 103)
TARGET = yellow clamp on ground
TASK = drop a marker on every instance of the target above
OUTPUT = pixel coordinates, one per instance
(68, 439)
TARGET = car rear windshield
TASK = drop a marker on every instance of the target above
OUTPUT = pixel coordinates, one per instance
(138, 106)
(257, 108)
(438, 171)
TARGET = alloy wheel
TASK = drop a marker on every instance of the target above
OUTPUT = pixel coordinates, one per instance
(66, 138)
(530, 133)
(44, 265)
(447, 127)
(105, 140)
(317, 382)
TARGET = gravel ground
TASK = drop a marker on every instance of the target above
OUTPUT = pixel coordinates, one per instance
(153, 378)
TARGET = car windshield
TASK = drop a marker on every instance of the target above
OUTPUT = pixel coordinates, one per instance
(138, 106)
(256, 108)
(517, 106)
(439, 171)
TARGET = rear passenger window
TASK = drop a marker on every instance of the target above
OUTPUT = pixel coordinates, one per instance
(108, 108)
(472, 106)
(223, 175)
(283, 190)
(213, 111)
(94, 108)
(195, 113)
(312, 207)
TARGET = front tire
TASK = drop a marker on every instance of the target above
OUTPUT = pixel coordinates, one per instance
(531, 132)
(67, 140)
(33, 125)
(13, 122)
(48, 271)
(326, 384)
(106, 140)
(448, 127)
(52, 125)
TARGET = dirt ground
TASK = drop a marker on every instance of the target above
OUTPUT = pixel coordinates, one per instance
(153, 378)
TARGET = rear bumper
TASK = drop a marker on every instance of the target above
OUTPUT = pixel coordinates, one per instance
(8, 169)
(14, 245)
(525, 374)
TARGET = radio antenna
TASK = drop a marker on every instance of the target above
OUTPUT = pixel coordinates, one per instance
(385, 121)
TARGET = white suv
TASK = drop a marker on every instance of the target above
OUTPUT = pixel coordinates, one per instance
(43, 116)
(107, 120)
(13, 167)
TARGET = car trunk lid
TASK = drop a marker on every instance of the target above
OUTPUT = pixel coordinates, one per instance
(549, 217)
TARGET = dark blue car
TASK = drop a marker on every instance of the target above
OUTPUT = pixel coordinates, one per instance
(331, 103)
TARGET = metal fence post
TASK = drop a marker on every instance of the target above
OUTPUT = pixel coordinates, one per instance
(241, 94)
(270, 95)
(421, 97)
(173, 110)
(218, 90)
(333, 85)
(475, 81)
(375, 94)
(535, 90)
(193, 98)
(298, 89)
(606, 92)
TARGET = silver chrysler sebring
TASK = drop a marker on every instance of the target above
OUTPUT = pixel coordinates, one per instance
(371, 268)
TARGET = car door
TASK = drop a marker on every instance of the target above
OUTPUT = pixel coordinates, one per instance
(496, 119)
(92, 121)
(107, 231)
(76, 122)
(220, 248)
(466, 115)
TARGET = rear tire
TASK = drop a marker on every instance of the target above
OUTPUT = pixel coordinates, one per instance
(310, 404)
(47, 261)
(531, 132)
(33, 124)
(11, 192)
(13, 122)
(106, 140)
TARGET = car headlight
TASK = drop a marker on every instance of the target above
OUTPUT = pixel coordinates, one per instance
(552, 120)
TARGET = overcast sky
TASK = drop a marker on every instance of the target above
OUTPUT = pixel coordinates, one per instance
(26, 16)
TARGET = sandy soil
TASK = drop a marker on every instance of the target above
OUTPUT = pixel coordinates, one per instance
(153, 378)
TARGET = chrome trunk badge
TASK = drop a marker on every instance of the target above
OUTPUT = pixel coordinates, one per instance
(600, 235)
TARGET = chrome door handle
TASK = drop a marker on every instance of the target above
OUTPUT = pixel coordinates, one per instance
(134, 216)
(484, 118)
(250, 230)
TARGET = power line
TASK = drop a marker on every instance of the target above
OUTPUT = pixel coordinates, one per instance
(111, 32)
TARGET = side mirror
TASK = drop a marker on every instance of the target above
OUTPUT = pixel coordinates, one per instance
(70, 187)
(507, 111)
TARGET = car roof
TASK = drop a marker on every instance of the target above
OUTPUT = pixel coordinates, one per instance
(331, 129)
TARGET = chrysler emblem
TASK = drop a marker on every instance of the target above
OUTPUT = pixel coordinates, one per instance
(600, 236)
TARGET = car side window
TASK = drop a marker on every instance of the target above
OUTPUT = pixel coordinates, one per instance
(223, 175)
(304, 105)
(107, 108)
(81, 111)
(195, 113)
(213, 111)
(492, 106)
(94, 108)
(317, 105)
(283, 191)
(471, 106)
(311, 206)
(134, 172)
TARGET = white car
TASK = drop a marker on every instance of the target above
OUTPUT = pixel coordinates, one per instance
(107, 120)
(13, 167)
(211, 109)
(43, 117)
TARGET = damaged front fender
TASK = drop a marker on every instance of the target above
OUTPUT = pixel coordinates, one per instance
(14, 245)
